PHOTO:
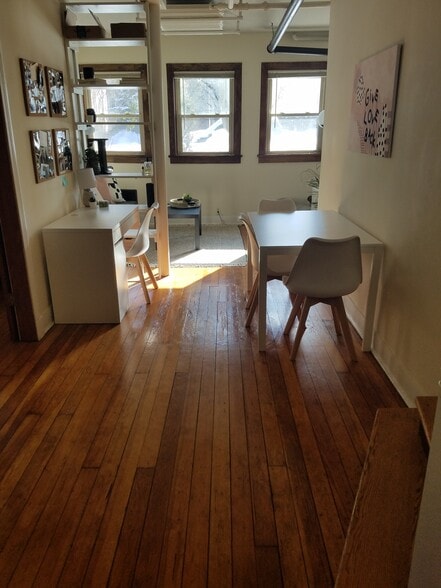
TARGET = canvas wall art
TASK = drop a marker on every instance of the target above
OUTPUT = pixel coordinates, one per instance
(373, 103)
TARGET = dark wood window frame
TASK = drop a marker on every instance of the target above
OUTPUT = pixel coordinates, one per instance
(136, 73)
(235, 156)
(266, 68)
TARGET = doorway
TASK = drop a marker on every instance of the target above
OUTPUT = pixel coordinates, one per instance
(5, 329)
(16, 305)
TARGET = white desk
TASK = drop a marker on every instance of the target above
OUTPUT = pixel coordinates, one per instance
(278, 233)
(86, 264)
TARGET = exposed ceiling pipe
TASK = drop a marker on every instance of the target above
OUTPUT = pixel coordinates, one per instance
(284, 24)
(291, 11)
(264, 5)
(301, 50)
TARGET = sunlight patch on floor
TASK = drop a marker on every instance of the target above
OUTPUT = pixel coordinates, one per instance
(210, 257)
(182, 278)
(178, 278)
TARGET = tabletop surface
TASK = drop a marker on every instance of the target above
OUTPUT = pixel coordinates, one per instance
(93, 218)
(292, 229)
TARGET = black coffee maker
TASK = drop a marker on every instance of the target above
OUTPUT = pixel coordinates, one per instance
(102, 155)
(90, 116)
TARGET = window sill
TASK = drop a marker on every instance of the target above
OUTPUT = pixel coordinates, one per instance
(288, 157)
(126, 158)
(205, 158)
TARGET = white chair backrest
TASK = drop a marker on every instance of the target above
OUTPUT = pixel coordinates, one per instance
(141, 242)
(279, 205)
(327, 268)
(278, 265)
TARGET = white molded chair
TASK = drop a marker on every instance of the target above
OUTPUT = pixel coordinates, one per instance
(324, 271)
(137, 252)
(265, 205)
(279, 263)
(278, 267)
(244, 220)
(278, 205)
(133, 233)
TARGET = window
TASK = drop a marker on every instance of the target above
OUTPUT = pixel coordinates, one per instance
(204, 107)
(119, 100)
(292, 96)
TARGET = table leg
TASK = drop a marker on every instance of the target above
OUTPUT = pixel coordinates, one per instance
(261, 330)
(197, 230)
(371, 302)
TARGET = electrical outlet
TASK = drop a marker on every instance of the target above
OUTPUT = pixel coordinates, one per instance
(217, 210)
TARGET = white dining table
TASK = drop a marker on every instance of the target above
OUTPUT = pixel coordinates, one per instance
(279, 233)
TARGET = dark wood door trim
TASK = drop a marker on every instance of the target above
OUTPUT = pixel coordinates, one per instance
(14, 276)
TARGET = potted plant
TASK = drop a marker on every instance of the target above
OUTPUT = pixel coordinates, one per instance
(312, 179)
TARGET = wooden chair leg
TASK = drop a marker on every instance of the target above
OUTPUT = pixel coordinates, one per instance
(252, 293)
(250, 273)
(252, 310)
(246, 244)
(142, 280)
(250, 269)
(345, 327)
(295, 311)
(150, 272)
(336, 320)
(302, 326)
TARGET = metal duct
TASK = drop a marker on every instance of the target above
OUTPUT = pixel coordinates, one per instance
(291, 11)
(301, 50)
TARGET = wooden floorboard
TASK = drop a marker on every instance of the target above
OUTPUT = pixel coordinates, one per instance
(168, 451)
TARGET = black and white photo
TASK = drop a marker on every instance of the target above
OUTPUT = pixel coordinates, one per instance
(57, 98)
(43, 155)
(34, 88)
(62, 150)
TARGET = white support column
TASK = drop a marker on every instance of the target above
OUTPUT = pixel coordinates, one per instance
(154, 40)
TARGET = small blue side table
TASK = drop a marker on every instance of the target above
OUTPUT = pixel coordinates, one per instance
(192, 212)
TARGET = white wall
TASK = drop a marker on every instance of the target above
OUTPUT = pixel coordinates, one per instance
(230, 187)
(398, 200)
(233, 187)
(31, 30)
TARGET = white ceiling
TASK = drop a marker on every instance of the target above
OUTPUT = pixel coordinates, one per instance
(252, 16)
(215, 17)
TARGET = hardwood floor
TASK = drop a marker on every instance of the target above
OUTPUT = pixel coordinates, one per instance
(167, 451)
